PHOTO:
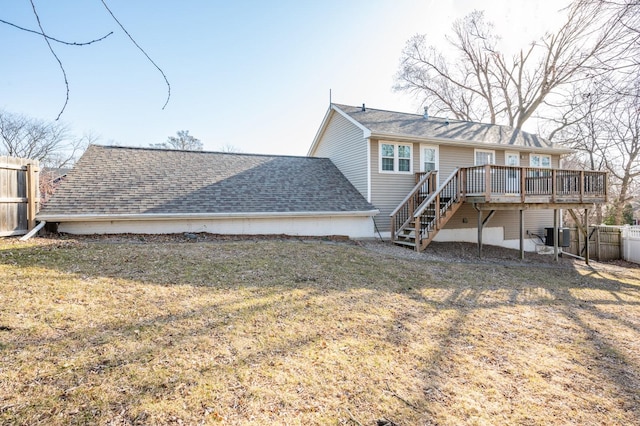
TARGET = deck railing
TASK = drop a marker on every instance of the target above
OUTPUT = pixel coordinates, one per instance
(403, 214)
(526, 182)
(429, 214)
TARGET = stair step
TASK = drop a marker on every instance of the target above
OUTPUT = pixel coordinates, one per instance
(404, 243)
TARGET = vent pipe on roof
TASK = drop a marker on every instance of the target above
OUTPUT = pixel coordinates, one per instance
(426, 112)
(363, 108)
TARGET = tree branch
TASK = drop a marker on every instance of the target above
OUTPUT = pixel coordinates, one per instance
(64, 73)
(68, 43)
(143, 51)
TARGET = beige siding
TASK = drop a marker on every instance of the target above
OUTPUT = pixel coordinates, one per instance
(534, 221)
(344, 143)
(389, 189)
(452, 157)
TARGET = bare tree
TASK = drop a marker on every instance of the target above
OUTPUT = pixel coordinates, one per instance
(182, 141)
(51, 143)
(600, 115)
(481, 84)
(230, 148)
(622, 157)
(580, 82)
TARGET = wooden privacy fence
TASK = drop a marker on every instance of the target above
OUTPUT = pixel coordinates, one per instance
(605, 243)
(19, 195)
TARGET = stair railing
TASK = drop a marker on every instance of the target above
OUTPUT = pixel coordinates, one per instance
(448, 191)
(402, 216)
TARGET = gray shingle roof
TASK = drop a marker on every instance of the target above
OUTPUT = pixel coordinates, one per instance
(111, 180)
(415, 125)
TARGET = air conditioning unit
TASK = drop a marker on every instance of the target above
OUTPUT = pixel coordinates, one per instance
(563, 237)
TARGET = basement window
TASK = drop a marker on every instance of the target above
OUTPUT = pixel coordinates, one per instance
(395, 157)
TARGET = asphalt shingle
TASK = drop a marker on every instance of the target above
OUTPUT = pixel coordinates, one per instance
(415, 125)
(123, 180)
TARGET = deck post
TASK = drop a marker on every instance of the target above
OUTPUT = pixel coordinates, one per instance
(555, 235)
(480, 233)
(417, 231)
(521, 234)
(586, 236)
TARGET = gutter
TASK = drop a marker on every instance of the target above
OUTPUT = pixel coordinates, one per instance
(196, 216)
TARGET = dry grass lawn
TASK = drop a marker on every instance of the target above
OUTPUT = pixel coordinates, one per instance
(306, 333)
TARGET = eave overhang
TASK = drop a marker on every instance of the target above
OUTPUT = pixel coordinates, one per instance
(199, 216)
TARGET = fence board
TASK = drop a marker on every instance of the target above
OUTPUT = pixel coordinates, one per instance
(605, 243)
(631, 243)
(14, 193)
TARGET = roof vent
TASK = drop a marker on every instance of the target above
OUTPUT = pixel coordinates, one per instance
(426, 112)
(363, 108)
(446, 122)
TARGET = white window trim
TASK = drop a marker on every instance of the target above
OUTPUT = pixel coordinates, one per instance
(436, 148)
(395, 158)
(508, 153)
(490, 151)
(540, 155)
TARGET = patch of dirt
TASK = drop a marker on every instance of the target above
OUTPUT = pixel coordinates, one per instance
(468, 253)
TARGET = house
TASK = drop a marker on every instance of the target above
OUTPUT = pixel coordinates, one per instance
(449, 180)
(149, 191)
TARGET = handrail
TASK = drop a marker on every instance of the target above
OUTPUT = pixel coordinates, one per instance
(423, 206)
(565, 184)
(415, 189)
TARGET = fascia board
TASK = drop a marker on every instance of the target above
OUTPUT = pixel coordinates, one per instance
(366, 133)
(195, 216)
(325, 122)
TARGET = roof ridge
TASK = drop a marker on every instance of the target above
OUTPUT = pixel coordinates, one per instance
(144, 148)
(408, 113)
(456, 120)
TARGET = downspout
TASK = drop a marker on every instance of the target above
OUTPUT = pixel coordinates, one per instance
(34, 231)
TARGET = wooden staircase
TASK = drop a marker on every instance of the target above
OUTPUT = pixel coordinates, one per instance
(425, 210)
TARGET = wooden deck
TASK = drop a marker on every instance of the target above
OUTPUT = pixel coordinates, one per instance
(427, 208)
(505, 187)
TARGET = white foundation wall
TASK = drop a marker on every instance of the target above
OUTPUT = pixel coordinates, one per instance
(352, 227)
(490, 236)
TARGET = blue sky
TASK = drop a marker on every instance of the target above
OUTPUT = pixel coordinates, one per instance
(251, 74)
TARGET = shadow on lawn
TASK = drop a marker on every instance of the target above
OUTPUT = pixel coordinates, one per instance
(309, 275)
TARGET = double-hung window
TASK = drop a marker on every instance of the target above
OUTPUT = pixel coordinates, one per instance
(395, 157)
(484, 156)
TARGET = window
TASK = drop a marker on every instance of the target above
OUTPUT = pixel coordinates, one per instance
(484, 156)
(511, 159)
(538, 160)
(395, 158)
(387, 154)
(429, 158)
